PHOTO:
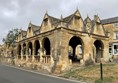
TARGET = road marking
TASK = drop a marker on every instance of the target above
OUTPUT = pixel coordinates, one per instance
(43, 74)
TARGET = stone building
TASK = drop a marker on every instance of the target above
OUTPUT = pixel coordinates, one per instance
(6, 53)
(111, 26)
(62, 42)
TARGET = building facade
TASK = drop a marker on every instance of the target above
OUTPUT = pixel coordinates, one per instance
(111, 26)
(59, 43)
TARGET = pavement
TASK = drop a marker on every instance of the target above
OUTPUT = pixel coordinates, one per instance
(10, 74)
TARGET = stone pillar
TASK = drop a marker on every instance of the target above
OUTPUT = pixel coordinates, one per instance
(106, 51)
(16, 58)
(41, 54)
(87, 50)
(21, 52)
(33, 54)
(27, 52)
(94, 52)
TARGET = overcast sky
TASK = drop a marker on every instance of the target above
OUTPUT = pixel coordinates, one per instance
(18, 13)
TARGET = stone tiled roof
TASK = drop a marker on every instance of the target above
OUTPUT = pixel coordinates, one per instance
(24, 33)
(54, 20)
(35, 27)
(109, 20)
(68, 18)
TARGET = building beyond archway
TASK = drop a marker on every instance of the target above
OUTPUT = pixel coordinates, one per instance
(75, 49)
(37, 47)
(19, 50)
(98, 50)
(30, 48)
(24, 49)
(46, 46)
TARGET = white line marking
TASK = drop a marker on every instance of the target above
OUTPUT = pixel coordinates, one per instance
(43, 74)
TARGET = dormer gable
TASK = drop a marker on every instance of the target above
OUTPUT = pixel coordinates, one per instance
(88, 25)
(48, 23)
(21, 35)
(97, 26)
(97, 19)
(29, 30)
(76, 23)
(77, 14)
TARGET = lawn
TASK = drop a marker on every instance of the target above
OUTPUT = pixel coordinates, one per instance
(91, 74)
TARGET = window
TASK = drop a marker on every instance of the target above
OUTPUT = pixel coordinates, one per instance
(115, 48)
(110, 50)
(29, 29)
(45, 21)
(76, 19)
(115, 35)
(115, 25)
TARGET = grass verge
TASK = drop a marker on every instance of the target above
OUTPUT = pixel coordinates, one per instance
(91, 74)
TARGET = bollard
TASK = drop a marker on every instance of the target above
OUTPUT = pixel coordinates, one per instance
(101, 71)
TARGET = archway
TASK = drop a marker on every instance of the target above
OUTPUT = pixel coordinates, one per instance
(98, 50)
(37, 47)
(30, 48)
(75, 49)
(19, 50)
(24, 49)
(46, 45)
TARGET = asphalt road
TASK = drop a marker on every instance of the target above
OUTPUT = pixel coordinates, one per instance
(13, 75)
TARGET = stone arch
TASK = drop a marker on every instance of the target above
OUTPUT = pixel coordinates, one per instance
(24, 48)
(30, 48)
(46, 46)
(75, 49)
(36, 47)
(98, 50)
(19, 50)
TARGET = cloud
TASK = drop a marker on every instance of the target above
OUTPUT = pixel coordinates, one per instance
(18, 13)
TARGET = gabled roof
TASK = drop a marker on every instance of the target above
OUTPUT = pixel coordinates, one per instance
(53, 19)
(57, 21)
(109, 20)
(68, 18)
(34, 27)
(23, 33)
(87, 19)
(97, 19)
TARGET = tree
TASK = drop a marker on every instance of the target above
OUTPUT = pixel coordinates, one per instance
(9, 40)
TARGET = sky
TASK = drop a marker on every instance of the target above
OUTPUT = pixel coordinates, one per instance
(18, 13)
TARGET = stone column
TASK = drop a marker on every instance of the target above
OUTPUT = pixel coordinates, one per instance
(33, 54)
(21, 52)
(106, 51)
(94, 52)
(41, 54)
(33, 51)
(87, 50)
(27, 52)
(16, 58)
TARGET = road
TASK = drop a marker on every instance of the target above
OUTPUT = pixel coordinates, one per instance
(13, 75)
